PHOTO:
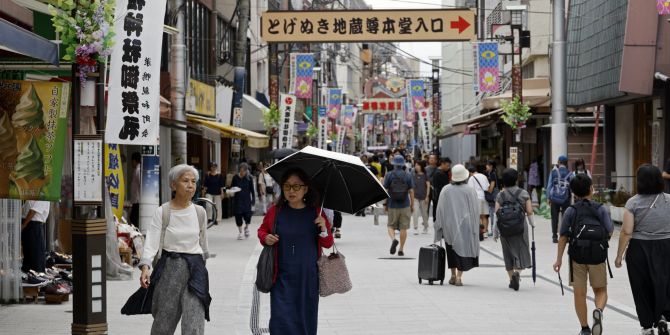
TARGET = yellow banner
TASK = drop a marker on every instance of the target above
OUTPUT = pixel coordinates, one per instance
(201, 98)
(439, 25)
(114, 177)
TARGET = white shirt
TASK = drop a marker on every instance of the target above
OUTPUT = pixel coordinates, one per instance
(479, 189)
(41, 209)
(182, 234)
(135, 186)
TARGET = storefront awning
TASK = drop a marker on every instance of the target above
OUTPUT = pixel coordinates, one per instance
(193, 128)
(536, 93)
(18, 40)
(254, 139)
(478, 118)
(252, 113)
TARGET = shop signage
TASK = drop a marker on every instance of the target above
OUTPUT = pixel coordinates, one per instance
(424, 126)
(33, 125)
(114, 178)
(201, 99)
(517, 81)
(133, 113)
(341, 132)
(88, 171)
(323, 127)
(368, 25)
(236, 143)
(382, 106)
(513, 158)
(286, 117)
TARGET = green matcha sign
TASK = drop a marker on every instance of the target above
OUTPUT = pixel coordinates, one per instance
(33, 124)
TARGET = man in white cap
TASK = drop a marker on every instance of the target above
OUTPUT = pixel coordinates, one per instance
(400, 204)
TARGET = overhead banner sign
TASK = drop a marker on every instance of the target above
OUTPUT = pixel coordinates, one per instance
(286, 117)
(417, 94)
(424, 126)
(323, 128)
(368, 25)
(486, 67)
(382, 106)
(302, 67)
(133, 113)
(33, 127)
(334, 102)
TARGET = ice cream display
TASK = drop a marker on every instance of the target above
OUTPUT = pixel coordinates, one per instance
(28, 120)
(28, 172)
(8, 153)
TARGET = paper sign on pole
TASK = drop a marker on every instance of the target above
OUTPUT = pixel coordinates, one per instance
(424, 126)
(133, 113)
(286, 117)
(323, 128)
(114, 177)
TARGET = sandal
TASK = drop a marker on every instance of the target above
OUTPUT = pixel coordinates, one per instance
(452, 280)
(458, 282)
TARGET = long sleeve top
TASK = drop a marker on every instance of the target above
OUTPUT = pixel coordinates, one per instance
(182, 234)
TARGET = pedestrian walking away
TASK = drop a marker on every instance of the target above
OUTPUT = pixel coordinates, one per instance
(491, 193)
(266, 188)
(33, 243)
(515, 208)
(400, 204)
(301, 230)
(441, 178)
(458, 224)
(645, 243)
(214, 187)
(558, 193)
(586, 229)
(421, 196)
(173, 260)
(480, 184)
(244, 200)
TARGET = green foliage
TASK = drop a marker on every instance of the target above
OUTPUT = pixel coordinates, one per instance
(515, 113)
(271, 118)
(312, 131)
(438, 130)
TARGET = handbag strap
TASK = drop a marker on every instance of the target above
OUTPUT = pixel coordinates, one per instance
(165, 222)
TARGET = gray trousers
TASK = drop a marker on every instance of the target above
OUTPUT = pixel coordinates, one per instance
(173, 301)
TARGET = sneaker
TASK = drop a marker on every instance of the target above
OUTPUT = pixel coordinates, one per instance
(515, 281)
(394, 245)
(663, 326)
(649, 331)
(338, 234)
(425, 230)
(401, 253)
(246, 232)
(585, 332)
(416, 231)
(240, 237)
(597, 328)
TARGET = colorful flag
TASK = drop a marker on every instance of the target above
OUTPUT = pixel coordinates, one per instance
(302, 66)
(416, 94)
(334, 102)
(663, 7)
(348, 113)
(370, 121)
(488, 72)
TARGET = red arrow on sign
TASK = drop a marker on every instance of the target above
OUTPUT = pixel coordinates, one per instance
(461, 24)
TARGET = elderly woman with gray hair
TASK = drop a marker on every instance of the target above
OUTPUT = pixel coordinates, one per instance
(176, 249)
(244, 199)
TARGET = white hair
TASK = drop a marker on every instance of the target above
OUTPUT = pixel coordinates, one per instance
(178, 170)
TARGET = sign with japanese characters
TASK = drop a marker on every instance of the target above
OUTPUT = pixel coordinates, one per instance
(341, 133)
(33, 126)
(323, 127)
(364, 139)
(134, 79)
(114, 177)
(382, 106)
(425, 128)
(286, 117)
(368, 25)
(88, 169)
(201, 98)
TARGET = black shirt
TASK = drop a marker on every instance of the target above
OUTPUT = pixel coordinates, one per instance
(440, 180)
(213, 184)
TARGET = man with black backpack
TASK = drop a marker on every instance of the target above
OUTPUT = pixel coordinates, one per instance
(400, 204)
(586, 228)
(558, 193)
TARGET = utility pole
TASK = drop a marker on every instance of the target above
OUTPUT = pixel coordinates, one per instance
(559, 127)
(240, 69)
(178, 84)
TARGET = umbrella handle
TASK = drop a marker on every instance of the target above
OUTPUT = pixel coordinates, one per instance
(325, 191)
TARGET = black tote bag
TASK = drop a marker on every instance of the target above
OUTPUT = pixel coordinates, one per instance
(266, 264)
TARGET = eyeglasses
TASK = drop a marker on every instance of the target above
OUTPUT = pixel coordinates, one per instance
(294, 187)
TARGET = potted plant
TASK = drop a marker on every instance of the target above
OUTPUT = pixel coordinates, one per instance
(515, 113)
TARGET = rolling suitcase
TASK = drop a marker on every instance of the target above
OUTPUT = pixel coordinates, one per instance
(432, 260)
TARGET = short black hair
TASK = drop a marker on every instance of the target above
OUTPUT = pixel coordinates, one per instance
(509, 177)
(580, 185)
(649, 180)
(136, 157)
(445, 160)
(491, 162)
(472, 168)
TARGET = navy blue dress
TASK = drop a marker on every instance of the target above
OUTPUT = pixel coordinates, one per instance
(295, 294)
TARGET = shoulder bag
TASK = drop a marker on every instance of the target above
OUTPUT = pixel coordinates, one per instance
(265, 268)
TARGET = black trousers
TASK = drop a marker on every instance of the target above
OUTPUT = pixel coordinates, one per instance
(337, 219)
(34, 247)
(555, 210)
(648, 265)
(135, 215)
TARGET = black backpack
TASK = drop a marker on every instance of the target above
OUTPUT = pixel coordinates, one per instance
(588, 236)
(511, 214)
(398, 189)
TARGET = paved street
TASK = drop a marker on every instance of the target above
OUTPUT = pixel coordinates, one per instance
(386, 298)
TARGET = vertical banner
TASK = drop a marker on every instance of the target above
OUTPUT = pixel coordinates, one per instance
(408, 112)
(488, 74)
(134, 78)
(663, 7)
(286, 117)
(348, 113)
(517, 81)
(426, 132)
(370, 122)
(334, 103)
(323, 128)
(302, 67)
(341, 134)
(114, 177)
(475, 66)
(33, 125)
(417, 95)
(150, 195)
(364, 139)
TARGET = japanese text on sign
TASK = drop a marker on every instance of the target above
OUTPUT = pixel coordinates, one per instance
(88, 170)
(287, 114)
(369, 25)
